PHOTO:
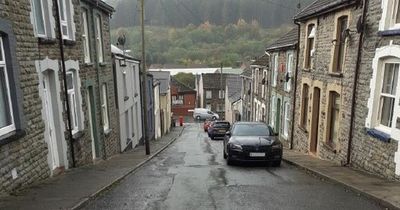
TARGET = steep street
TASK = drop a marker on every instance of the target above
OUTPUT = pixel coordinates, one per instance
(192, 174)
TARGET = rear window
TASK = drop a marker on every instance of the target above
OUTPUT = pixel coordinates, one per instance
(251, 130)
(221, 124)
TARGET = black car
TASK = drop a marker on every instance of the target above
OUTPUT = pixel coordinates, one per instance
(252, 141)
(218, 129)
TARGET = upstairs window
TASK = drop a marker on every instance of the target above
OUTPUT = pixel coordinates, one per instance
(99, 40)
(85, 37)
(39, 18)
(304, 107)
(221, 94)
(66, 19)
(340, 44)
(390, 18)
(310, 46)
(289, 69)
(6, 113)
(275, 71)
(72, 100)
(104, 107)
(208, 94)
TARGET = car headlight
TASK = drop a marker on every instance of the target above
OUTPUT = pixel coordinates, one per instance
(277, 146)
(236, 147)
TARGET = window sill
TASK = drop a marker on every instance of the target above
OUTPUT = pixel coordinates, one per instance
(379, 135)
(306, 70)
(102, 64)
(46, 40)
(335, 74)
(389, 32)
(330, 147)
(68, 42)
(303, 129)
(77, 135)
(11, 136)
(107, 132)
(88, 64)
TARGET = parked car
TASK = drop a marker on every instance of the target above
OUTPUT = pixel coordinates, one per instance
(202, 114)
(218, 129)
(252, 141)
(207, 124)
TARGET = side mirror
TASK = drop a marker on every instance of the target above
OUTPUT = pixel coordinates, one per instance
(228, 133)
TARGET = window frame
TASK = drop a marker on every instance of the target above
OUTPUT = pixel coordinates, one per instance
(35, 18)
(275, 71)
(64, 23)
(330, 125)
(221, 94)
(104, 107)
(73, 102)
(273, 111)
(289, 70)
(99, 38)
(308, 52)
(86, 36)
(286, 121)
(3, 63)
(305, 103)
(208, 96)
(339, 47)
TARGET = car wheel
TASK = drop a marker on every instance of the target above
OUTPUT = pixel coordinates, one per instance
(229, 161)
(214, 118)
(225, 154)
(197, 117)
(212, 137)
(276, 163)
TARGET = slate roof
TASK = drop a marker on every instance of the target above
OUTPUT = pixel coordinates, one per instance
(181, 87)
(287, 40)
(262, 61)
(319, 7)
(234, 84)
(213, 81)
(102, 5)
(247, 71)
(164, 78)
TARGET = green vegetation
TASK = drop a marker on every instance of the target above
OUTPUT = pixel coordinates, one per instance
(205, 44)
(187, 79)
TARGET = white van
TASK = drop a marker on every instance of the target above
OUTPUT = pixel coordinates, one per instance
(202, 114)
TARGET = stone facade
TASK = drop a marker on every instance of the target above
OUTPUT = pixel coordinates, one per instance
(312, 137)
(259, 88)
(40, 146)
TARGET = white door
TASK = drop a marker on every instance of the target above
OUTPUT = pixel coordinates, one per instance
(50, 125)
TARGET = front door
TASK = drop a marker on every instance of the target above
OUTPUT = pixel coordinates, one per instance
(93, 124)
(53, 128)
(315, 120)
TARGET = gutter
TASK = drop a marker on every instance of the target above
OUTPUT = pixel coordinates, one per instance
(355, 81)
(327, 9)
(64, 71)
(295, 86)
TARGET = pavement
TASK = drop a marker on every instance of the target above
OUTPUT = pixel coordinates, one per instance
(77, 186)
(384, 192)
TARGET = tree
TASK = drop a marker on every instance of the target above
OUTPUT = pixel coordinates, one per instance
(187, 79)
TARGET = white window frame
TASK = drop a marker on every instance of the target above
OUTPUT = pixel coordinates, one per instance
(275, 70)
(64, 22)
(286, 120)
(273, 112)
(388, 17)
(289, 70)
(85, 36)
(383, 55)
(208, 106)
(208, 94)
(73, 103)
(35, 17)
(104, 107)
(11, 127)
(99, 39)
(221, 94)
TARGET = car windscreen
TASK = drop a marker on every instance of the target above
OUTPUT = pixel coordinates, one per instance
(221, 125)
(251, 130)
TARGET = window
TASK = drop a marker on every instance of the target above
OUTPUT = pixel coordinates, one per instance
(221, 94)
(39, 20)
(304, 106)
(289, 69)
(99, 40)
(6, 113)
(275, 71)
(390, 18)
(388, 94)
(286, 121)
(263, 82)
(208, 106)
(208, 94)
(310, 48)
(85, 36)
(220, 108)
(340, 44)
(333, 118)
(273, 113)
(72, 100)
(104, 108)
(66, 19)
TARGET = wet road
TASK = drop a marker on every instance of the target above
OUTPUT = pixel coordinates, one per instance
(192, 174)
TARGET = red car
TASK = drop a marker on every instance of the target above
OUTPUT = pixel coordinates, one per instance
(207, 124)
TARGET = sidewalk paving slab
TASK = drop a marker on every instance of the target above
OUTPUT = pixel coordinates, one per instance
(385, 192)
(77, 186)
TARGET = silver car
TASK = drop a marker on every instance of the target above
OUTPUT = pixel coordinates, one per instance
(202, 114)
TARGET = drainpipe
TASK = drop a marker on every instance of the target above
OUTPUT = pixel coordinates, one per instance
(355, 81)
(61, 45)
(295, 86)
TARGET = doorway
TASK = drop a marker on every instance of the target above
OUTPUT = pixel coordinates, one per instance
(315, 120)
(92, 122)
(53, 126)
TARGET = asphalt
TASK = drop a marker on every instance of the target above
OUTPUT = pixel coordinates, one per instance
(192, 174)
(77, 186)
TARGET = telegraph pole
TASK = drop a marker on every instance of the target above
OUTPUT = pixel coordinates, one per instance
(144, 83)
